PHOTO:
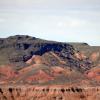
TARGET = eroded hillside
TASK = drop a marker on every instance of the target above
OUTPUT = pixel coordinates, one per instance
(36, 69)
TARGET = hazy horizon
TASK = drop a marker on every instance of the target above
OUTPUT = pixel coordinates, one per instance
(58, 20)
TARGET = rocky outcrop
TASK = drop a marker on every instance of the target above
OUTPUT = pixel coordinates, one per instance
(29, 46)
(60, 62)
(49, 93)
(19, 49)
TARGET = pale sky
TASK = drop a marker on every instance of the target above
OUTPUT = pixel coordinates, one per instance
(60, 20)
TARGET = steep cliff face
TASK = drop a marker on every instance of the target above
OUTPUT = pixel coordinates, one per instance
(49, 93)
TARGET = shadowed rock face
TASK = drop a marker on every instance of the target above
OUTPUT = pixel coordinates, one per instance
(21, 48)
(18, 49)
(49, 93)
